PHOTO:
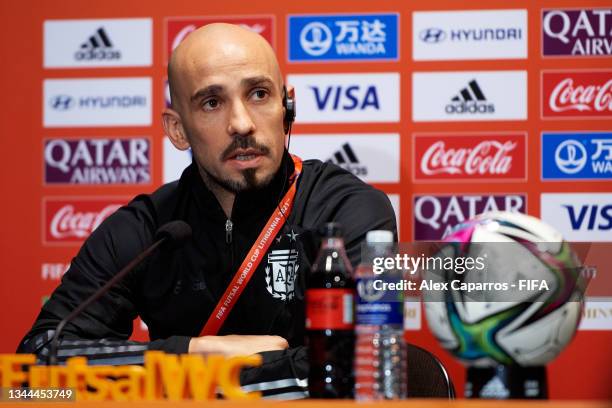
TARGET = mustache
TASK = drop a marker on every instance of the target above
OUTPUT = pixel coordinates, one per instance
(244, 142)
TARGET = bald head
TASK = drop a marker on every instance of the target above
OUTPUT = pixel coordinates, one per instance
(215, 47)
(227, 107)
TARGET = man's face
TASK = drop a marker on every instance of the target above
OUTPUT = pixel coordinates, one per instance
(231, 111)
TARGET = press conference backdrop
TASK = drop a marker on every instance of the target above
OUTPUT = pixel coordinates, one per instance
(451, 108)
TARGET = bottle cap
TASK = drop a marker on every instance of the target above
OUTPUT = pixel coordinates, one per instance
(379, 236)
(331, 230)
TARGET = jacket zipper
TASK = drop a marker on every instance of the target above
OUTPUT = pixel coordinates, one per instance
(229, 226)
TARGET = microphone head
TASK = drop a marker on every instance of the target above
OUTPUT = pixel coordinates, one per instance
(175, 233)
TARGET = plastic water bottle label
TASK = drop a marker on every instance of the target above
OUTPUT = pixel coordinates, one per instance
(376, 306)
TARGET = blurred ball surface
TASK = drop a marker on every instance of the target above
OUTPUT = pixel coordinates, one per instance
(514, 327)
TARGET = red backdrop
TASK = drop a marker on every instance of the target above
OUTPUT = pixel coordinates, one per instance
(583, 370)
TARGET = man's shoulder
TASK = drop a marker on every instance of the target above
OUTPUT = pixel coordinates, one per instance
(138, 220)
(165, 193)
(134, 225)
(328, 193)
(329, 178)
(326, 188)
(162, 202)
(155, 201)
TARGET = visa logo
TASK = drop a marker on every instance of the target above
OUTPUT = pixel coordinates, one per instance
(347, 98)
(595, 217)
(580, 217)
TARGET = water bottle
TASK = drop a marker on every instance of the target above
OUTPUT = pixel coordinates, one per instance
(380, 349)
(330, 337)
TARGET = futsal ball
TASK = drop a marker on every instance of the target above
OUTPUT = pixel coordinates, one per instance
(526, 326)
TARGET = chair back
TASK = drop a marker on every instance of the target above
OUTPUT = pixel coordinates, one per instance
(427, 376)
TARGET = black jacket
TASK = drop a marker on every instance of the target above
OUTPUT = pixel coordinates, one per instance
(175, 291)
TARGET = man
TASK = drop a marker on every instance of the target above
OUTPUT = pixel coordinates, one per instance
(229, 106)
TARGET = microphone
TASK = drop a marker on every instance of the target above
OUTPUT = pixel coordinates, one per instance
(176, 233)
(172, 234)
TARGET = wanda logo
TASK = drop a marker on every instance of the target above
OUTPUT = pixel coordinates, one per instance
(577, 94)
(469, 157)
(178, 28)
(72, 221)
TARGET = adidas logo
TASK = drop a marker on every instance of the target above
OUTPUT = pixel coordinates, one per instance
(494, 389)
(97, 47)
(470, 99)
(347, 159)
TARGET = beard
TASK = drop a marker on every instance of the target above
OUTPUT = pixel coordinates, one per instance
(248, 178)
(247, 182)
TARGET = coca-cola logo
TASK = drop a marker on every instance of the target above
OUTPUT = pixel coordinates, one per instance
(577, 94)
(69, 222)
(567, 96)
(178, 28)
(72, 221)
(476, 156)
(489, 157)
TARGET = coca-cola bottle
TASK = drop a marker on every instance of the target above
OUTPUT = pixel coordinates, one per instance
(329, 319)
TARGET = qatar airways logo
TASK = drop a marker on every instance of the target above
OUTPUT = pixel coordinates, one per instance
(98, 161)
(72, 220)
(583, 94)
(577, 32)
(178, 28)
(436, 215)
(469, 157)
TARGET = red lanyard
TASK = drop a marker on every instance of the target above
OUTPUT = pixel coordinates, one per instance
(253, 259)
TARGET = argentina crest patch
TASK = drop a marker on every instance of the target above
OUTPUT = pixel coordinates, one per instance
(282, 266)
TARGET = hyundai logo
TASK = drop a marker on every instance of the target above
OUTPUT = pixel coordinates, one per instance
(316, 38)
(62, 102)
(570, 156)
(432, 35)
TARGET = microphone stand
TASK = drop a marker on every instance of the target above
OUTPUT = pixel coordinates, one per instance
(95, 296)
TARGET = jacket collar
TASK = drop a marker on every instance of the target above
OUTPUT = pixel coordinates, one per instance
(248, 205)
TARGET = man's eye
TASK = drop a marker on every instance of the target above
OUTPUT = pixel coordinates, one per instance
(210, 104)
(260, 94)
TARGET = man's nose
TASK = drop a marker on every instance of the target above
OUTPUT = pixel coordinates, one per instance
(240, 121)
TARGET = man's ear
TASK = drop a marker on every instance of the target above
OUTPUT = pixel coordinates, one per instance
(173, 126)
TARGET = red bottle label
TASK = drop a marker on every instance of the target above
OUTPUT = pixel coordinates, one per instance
(366, 364)
(329, 309)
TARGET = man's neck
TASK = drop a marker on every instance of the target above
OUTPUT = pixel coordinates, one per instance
(224, 197)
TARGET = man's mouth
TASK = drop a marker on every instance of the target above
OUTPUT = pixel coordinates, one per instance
(244, 154)
(245, 157)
